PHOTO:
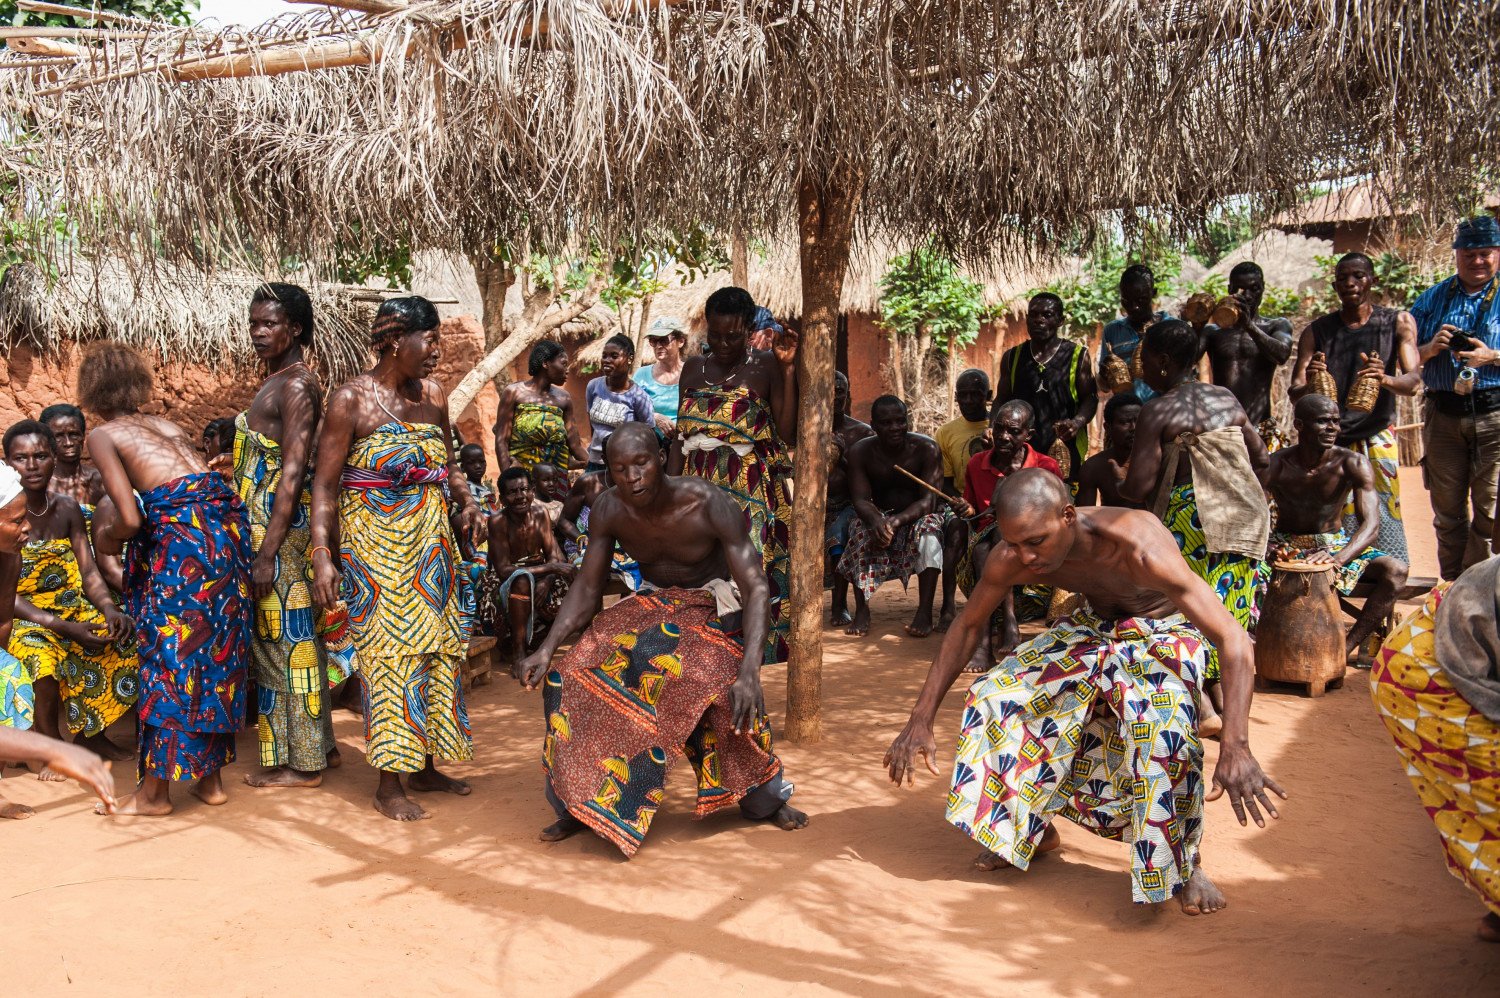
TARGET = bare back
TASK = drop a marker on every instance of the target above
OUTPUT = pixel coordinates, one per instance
(151, 450)
(1188, 408)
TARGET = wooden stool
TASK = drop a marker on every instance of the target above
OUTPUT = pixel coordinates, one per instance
(480, 663)
(1300, 638)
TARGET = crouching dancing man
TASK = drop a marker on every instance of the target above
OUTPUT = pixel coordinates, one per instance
(671, 670)
(1096, 719)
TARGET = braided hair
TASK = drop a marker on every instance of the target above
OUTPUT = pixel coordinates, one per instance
(399, 316)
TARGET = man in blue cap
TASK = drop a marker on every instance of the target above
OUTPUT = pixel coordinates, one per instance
(1458, 340)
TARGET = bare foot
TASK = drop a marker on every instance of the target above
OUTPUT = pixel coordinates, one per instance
(430, 781)
(17, 812)
(283, 776)
(981, 661)
(860, 626)
(988, 861)
(1199, 896)
(335, 759)
(921, 623)
(947, 617)
(104, 748)
(1489, 928)
(399, 807)
(48, 775)
(562, 828)
(839, 617)
(135, 804)
(788, 818)
(210, 789)
(1209, 721)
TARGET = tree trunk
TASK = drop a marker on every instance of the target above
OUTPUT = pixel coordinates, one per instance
(898, 364)
(739, 260)
(641, 327)
(494, 277)
(826, 222)
(952, 377)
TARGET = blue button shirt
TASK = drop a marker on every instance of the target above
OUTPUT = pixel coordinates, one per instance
(1122, 339)
(1446, 303)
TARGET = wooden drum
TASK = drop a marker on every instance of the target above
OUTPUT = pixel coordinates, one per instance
(1300, 638)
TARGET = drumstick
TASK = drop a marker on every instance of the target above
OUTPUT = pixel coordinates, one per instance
(950, 500)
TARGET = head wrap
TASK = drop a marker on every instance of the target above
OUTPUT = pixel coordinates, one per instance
(10, 484)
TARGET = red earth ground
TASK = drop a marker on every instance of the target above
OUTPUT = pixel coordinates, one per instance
(313, 893)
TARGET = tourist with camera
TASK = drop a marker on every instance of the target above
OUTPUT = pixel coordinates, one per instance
(1458, 339)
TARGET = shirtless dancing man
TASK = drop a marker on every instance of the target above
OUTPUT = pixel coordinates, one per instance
(1046, 732)
(1310, 482)
(672, 670)
(899, 530)
(1245, 356)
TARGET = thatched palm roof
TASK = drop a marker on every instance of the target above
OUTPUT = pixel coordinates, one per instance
(1363, 200)
(178, 312)
(471, 123)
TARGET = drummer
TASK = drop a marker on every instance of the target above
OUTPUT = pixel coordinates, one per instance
(1311, 481)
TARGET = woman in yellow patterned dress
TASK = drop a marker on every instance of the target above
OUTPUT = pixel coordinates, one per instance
(272, 448)
(384, 453)
(534, 423)
(73, 640)
(736, 417)
(1436, 684)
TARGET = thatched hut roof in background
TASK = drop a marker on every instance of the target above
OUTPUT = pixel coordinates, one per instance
(1287, 259)
(476, 123)
(176, 312)
(1362, 201)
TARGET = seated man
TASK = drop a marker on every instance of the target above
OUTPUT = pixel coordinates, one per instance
(551, 488)
(1011, 432)
(957, 440)
(526, 564)
(898, 531)
(840, 514)
(1310, 482)
(672, 670)
(1102, 474)
(1096, 719)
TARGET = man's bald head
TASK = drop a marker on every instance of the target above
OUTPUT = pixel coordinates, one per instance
(630, 435)
(1031, 491)
(1017, 409)
(1312, 405)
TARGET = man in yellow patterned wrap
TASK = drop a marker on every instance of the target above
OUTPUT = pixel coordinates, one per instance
(383, 455)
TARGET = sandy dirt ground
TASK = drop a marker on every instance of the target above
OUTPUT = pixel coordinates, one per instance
(313, 893)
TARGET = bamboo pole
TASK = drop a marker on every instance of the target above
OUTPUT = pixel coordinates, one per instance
(45, 46)
(826, 221)
(739, 259)
(376, 7)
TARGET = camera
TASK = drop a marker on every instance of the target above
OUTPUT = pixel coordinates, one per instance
(1463, 341)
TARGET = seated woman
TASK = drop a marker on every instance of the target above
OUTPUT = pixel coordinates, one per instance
(527, 565)
(73, 640)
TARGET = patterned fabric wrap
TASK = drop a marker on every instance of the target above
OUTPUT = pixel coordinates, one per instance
(410, 609)
(547, 610)
(1235, 578)
(291, 665)
(760, 482)
(16, 697)
(1385, 458)
(867, 566)
(97, 687)
(1296, 547)
(187, 586)
(1451, 751)
(647, 683)
(1096, 721)
(1271, 435)
(539, 435)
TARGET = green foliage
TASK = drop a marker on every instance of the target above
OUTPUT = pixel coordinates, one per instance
(181, 12)
(1398, 281)
(390, 263)
(923, 291)
(1094, 296)
(1227, 229)
(639, 267)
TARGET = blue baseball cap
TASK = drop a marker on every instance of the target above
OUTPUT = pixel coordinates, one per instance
(1479, 232)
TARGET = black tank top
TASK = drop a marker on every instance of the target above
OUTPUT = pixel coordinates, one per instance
(1341, 347)
(1052, 389)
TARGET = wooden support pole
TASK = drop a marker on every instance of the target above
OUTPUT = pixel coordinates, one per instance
(739, 259)
(826, 211)
(358, 6)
